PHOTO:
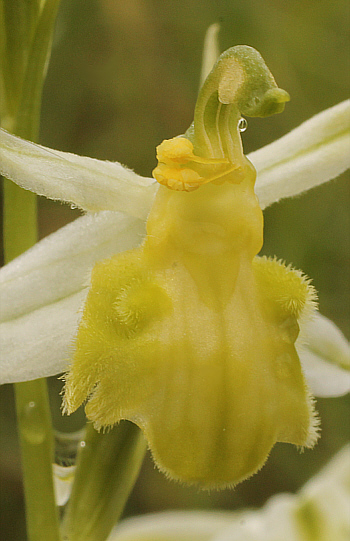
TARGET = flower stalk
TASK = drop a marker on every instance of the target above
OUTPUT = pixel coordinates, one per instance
(108, 465)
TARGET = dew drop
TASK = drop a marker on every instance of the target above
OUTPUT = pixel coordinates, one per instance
(242, 124)
(32, 423)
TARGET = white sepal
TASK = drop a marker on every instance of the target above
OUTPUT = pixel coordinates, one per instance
(315, 152)
(39, 344)
(319, 511)
(63, 477)
(325, 357)
(60, 264)
(43, 290)
(172, 526)
(87, 183)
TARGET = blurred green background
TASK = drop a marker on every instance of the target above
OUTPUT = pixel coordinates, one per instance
(124, 76)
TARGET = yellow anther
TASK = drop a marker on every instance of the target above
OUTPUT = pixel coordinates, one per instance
(178, 150)
(176, 178)
(174, 154)
(186, 179)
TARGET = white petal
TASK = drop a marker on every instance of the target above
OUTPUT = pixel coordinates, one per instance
(274, 522)
(288, 517)
(328, 495)
(336, 472)
(313, 153)
(319, 511)
(43, 290)
(60, 264)
(39, 344)
(88, 183)
(325, 356)
(172, 526)
(326, 340)
(324, 379)
(63, 477)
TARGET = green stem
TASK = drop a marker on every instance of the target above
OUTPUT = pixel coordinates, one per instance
(35, 433)
(32, 404)
(25, 47)
(107, 468)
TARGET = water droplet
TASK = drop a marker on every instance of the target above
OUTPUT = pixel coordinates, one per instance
(82, 443)
(242, 124)
(66, 447)
(32, 423)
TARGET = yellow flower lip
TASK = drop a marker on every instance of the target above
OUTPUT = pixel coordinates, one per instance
(177, 166)
(191, 336)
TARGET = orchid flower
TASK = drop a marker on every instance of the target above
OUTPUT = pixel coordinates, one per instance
(318, 512)
(190, 335)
